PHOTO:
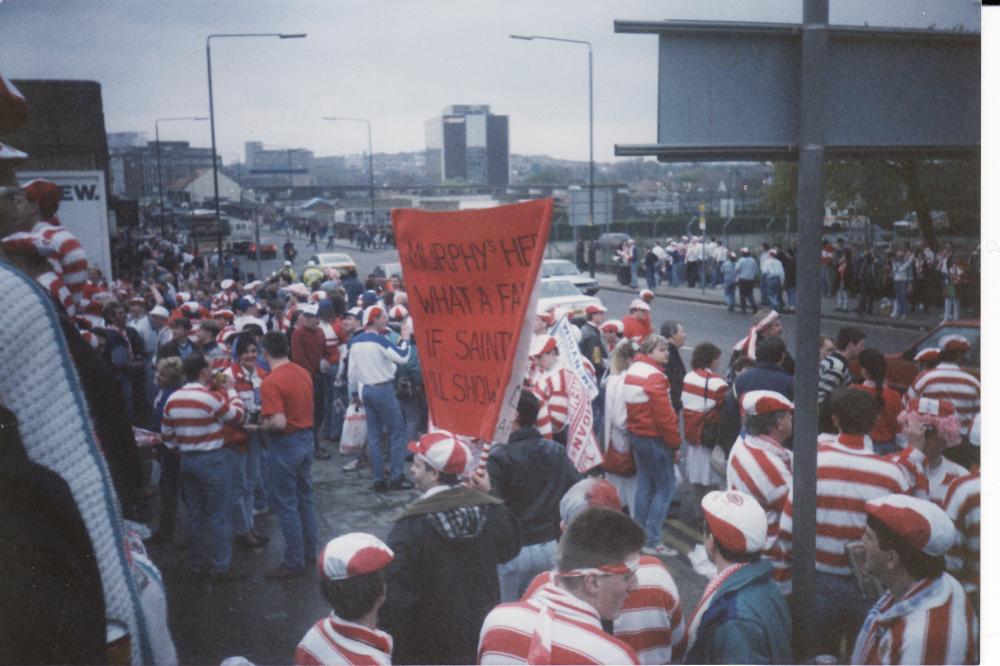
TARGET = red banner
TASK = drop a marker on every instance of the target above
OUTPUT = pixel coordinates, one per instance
(471, 278)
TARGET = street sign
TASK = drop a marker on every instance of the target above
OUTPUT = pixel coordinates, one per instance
(730, 90)
(579, 207)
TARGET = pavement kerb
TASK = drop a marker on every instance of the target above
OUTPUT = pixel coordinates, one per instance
(707, 300)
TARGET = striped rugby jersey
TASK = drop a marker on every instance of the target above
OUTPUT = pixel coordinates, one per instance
(702, 397)
(555, 401)
(336, 641)
(193, 417)
(566, 627)
(949, 382)
(962, 504)
(762, 468)
(69, 255)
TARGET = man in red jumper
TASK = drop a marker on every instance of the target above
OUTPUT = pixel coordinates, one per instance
(309, 351)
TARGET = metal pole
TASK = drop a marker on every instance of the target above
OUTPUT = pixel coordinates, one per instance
(590, 92)
(159, 179)
(371, 172)
(215, 159)
(812, 103)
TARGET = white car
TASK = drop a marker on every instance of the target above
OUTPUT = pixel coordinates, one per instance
(559, 293)
(567, 270)
(337, 260)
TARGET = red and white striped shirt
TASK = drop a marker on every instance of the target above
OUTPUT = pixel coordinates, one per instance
(702, 397)
(848, 474)
(962, 504)
(652, 621)
(940, 478)
(647, 400)
(553, 386)
(336, 641)
(933, 623)
(55, 285)
(554, 622)
(193, 417)
(69, 254)
(949, 382)
(333, 341)
(762, 468)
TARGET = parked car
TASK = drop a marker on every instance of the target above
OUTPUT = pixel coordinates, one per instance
(567, 270)
(557, 292)
(338, 260)
(268, 250)
(383, 272)
(901, 369)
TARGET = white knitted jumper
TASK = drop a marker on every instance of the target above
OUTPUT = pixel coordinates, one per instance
(39, 384)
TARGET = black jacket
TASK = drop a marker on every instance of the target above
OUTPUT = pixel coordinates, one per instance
(531, 474)
(675, 372)
(592, 347)
(443, 580)
(766, 377)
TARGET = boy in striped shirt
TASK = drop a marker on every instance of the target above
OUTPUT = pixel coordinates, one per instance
(353, 583)
(192, 423)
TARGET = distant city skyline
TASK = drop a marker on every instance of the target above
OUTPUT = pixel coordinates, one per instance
(396, 63)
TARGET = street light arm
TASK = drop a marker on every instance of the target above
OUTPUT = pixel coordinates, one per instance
(279, 35)
(552, 39)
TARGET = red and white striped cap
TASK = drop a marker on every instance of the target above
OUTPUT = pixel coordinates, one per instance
(442, 451)
(928, 355)
(182, 297)
(736, 520)
(398, 312)
(354, 554)
(190, 308)
(922, 524)
(227, 284)
(43, 192)
(954, 343)
(646, 295)
(755, 403)
(222, 313)
(638, 304)
(586, 493)
(540, 344)
(593, 308)
(371, 313)
(546, 317)
(227, 332)
(616, 325)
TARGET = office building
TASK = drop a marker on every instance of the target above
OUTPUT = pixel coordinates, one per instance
(277, 167)
(468, 144)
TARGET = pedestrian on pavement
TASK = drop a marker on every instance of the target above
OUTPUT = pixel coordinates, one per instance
(649, 263)
(729, 280)
(742, 617)
(632, 250)
(193, 421)
(924, 616)
(562, 622)
(835, 369)
(772, 279)
(448, 543)
(592, 256)
(704, 391)
(759, 464)
(371, 382)
(308, 349)
(655, 438)
(286, 413)
(746, 275)
(637, 322)
(530, 474)
(352, 581)
(902, 279)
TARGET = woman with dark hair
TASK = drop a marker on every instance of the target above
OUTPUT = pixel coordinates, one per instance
(890, 403)
(702, 398)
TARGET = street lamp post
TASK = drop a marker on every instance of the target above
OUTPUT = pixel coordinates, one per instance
(371, 167)
(590, 107)
(159, 178)
(211, 113)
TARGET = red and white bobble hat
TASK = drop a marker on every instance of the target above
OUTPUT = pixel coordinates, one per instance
(371, 313)
(646, 295)
(736, 520)
(954, 343)
(227, 284)
(182, 297)
(222, 313)
(616, 325)
(928, 355)
(191, 308)
(398, 312)
(638, 304)
(595, 309)
(540, 344)
(922, 524)
(442, 451)
(352, 555)
(755, 403)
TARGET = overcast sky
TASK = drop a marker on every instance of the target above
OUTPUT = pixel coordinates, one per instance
(397, 62)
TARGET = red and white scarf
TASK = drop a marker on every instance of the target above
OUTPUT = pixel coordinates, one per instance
(706, 601)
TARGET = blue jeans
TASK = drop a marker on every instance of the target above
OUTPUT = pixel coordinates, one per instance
(383, 412)
(774, 292)
(289, 464)
(516, 575)
(651, 277)
(206, 479)
(634, 272)
(414, 411)
(242, 515)
(790, 292)
(334, 411)
(840, 610)
(655, 483)
(902, 304)
(730, 296)
(676, 271)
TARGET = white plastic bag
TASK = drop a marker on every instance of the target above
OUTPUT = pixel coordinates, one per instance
(354, 437)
